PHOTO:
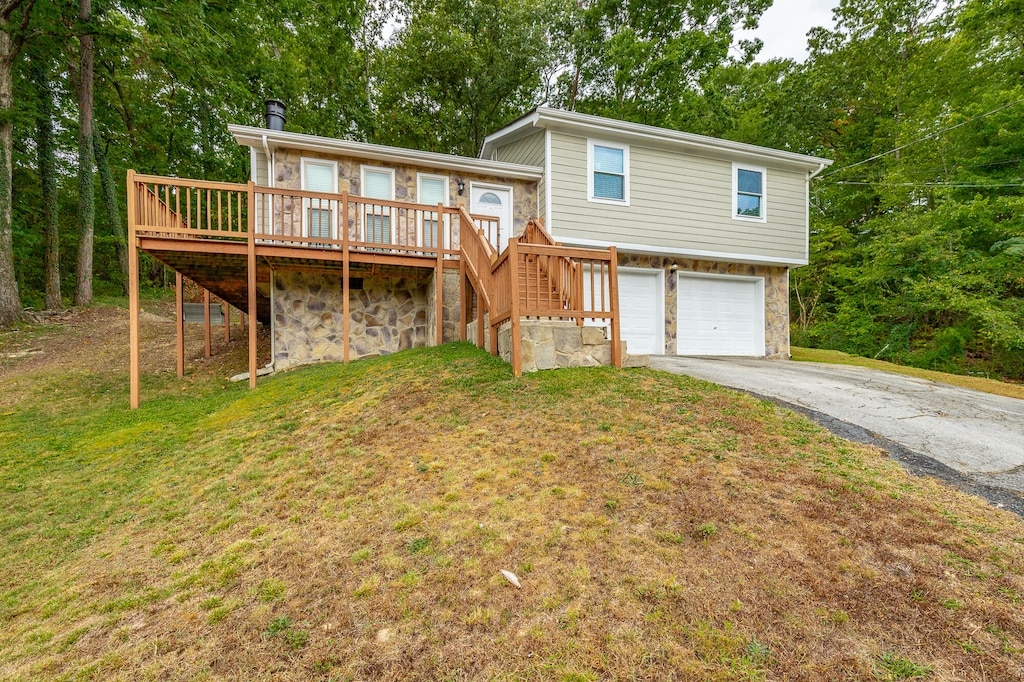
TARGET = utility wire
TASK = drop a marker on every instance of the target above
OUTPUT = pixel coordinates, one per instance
(922, 139)
(931, 184)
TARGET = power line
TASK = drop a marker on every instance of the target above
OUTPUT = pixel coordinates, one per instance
(931, 184)
(922, 139)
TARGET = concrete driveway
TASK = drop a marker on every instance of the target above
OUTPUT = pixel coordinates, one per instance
(974, 440)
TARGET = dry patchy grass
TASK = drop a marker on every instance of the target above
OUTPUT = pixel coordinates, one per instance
(350, 522)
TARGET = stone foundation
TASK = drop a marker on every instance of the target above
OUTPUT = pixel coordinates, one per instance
(387, 315)
(450, 298)
(776, 295)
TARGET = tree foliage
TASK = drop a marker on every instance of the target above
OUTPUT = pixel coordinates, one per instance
(917, 242)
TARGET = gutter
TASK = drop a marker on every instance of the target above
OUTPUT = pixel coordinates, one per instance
(816, 173)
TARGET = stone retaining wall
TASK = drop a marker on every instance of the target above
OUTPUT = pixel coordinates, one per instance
(553, 344)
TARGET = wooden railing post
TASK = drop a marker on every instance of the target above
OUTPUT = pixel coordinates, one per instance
(439, 278)
(464, 311)
(251, 281)
(515, 328)
(133, 296)
(345, 284)
(613, 296)
(207, 341)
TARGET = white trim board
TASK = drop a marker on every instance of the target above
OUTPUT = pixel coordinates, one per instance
(648, 249)
(248, 136)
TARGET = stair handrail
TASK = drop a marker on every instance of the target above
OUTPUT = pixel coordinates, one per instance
(534, 233)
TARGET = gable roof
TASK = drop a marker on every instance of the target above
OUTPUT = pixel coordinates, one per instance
(249, 136)
(637, 133)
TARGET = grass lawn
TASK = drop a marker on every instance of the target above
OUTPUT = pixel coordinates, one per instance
(977, 383)
(351, 523)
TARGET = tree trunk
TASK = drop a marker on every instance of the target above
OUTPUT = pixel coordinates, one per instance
(86, 196)
(10, 301)
(48, 184)
(113, 210)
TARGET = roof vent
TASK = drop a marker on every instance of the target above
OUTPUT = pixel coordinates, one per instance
(275, 114)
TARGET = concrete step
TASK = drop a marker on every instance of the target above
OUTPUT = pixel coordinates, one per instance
(636, 361)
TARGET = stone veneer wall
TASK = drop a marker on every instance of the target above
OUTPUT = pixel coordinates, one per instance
(776, 295)
(553, 344)
(388, 314)
(450, 309)
(288, 175)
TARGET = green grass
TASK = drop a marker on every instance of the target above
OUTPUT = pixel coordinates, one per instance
(352, 521)
(982, 384)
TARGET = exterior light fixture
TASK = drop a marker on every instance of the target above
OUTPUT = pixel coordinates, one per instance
(462, 186)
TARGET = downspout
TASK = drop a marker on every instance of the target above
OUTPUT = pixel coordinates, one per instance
(273, 335)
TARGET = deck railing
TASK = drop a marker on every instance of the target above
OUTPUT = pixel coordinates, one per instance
(199, 209)
(536, 278)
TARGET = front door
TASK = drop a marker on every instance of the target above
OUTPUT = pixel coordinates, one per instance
(493, 200)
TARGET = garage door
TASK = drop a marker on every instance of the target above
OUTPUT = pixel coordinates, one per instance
(642, 310)
(720, 316)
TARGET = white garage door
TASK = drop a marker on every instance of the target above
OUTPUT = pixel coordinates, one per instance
(642, 310)
(720, 316)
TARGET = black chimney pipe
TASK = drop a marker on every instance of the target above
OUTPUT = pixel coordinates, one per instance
(275, 114)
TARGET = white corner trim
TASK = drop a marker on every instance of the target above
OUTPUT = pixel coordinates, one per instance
(591, 142)
(652, 250)
(736, 167)
(547, 180)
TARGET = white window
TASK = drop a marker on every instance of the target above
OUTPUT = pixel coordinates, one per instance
(317, 216)
(431, 190)
(378, 183)
(749, 193)
(607, 172)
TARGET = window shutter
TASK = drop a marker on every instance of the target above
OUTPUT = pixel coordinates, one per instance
(377, 185)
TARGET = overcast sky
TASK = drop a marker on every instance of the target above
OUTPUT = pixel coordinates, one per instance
(785, 24)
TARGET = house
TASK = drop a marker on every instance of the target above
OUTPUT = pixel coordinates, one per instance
(569, 235)
(706, 229)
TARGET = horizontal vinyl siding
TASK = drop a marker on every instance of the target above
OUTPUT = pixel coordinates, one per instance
(261, 179)
(528, 151)
(676, 201)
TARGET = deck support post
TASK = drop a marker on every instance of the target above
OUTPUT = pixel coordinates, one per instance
(480, 341)
(346, 286)
(179, 322)
(465, 308)
(227, 321)
(516, 326)
(251, 268)
(613, 295)
(207, 341)
(439, 277)
(133, 297)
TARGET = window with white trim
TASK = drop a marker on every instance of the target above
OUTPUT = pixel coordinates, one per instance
(607, 172)
(317, 216)
(432, 190)
(748, 193)
(378, 183)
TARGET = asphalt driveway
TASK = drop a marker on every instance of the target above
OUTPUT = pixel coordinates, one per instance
(974, 440)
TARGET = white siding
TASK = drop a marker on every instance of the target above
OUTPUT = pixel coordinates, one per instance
(262, 178)
(676, 201)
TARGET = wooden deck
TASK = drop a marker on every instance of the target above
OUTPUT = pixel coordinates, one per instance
(229, 237)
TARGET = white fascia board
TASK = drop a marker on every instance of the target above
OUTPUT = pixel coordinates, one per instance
(587, 125)
(248, 137)
(519, 128)
(651, 250)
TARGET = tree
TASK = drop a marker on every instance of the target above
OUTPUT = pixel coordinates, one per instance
(14, 17)
(86, 190)
(459, 70)
(48, 181)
